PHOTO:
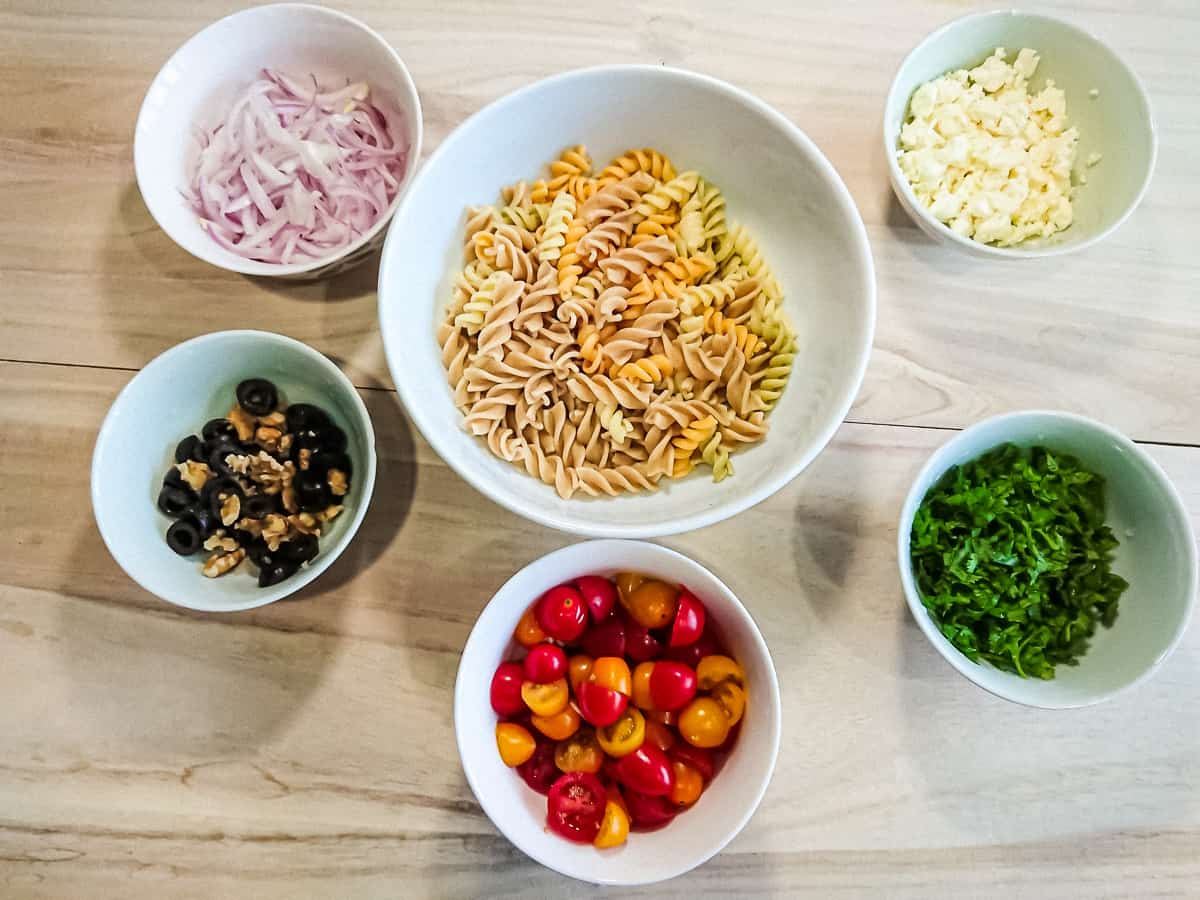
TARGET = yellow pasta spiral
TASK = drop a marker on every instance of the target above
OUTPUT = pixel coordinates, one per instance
(645, 160)
(682, 272)
(589, 348)
(640, 294)
(715, 322)
(688, 441)
(650, 369)
(569, 265)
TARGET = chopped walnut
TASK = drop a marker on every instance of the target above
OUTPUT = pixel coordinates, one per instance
(273, 420)
(268, 438)
(275, 531)
(252, 527)
(329, 513)
(270, 474)
(337, 482)
(231, 508)
(285, 443)
(305, 523)
(305, 456)
(194, 473)
(238, 462)
(220, 563)
(289, 499)
(221, 541)
(242, 421)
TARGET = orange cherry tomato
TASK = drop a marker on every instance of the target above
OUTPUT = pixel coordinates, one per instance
(663, 717)
(626, 583)
(546, 699)
(688, 784)
(712, 670)
(528, 632)
(652, 604)
(612, 672)
(514, 742)
(579, 753)
(641, 687)
(614, 827)
(659, 735)
(578, 669)
(559, 726)
(623, 736)
(732, 698)
(703, 723)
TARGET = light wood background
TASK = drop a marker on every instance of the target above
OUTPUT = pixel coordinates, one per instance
(306, 749)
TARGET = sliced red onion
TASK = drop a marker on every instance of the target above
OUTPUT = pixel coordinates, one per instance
(297, 171)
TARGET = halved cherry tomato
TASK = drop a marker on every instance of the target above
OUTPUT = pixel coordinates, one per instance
(506, 689)
(606, 638)
(579, 753)
(623, 736)
(672, 685)
(640, 644)
(732, 698)
(689, 620)
(539, 771)
(559, 726)
(578, 669)
(641, 686)
(561, 613)
(648, 812)
(659, 735)
(696, 758)
(576, 807)
(600, 705)
(712, 670)
(646, 770)
(545, 663)
(515, 743)
(612, 672)
(652, 604)
(666, 717)
(528, 632)
(703, 723)
(599, 594)
(626, 583)
(691, 654)
(546, 699)
(614, 827)
(688, 784)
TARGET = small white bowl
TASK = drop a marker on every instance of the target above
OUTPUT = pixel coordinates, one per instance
(1157, 556)
(173, 397)
(198, 83)
(777, 183)
(520, 814)
(1117, 123)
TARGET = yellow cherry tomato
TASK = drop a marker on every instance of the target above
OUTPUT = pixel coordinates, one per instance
(545, 699)
(612, 672)
(579, 753)
(715, 669)
(688, 785)
(626, 583)
(659, 735)
(703, 723)
(514, 742)
(623, 736)
(641, 686)
(732, 698)
(528, 632)
(614, 827)
(578, 669)
(652, 604)
(559, 726)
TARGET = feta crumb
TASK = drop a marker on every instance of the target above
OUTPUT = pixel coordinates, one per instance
(1094, 158)
(1094, 93)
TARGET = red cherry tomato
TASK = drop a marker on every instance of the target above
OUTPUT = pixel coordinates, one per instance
(647, 811)
(672, 685)
(575, 807)
(600, 705)
(691, 654)
(599, 594)
(646, 770)
(606, 638)
(540, 771)
(640, 644)
(545, 663)
(698, 758)
(561, 613)
(689, 620)
(506, 689)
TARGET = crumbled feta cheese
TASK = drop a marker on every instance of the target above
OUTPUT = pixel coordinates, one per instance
(987, 157)
(1094, 158)
(1094, 93)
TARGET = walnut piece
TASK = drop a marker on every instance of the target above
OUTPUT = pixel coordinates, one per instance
(242, 421)
(305, 523)
(221, 541)
(252, 527)
(329, 513)
(275, 531)
(273, 420)
(289, 499)
(231, 508)
(194, 473)
(337, 482)
(238, 462)
(268, 438)
(220, 563)
(285, 444)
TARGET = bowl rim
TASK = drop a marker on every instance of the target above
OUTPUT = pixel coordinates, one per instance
(936, 463)
(477, 638)
(306, 575)
(409, 95)
(540, 513)
(913, 207)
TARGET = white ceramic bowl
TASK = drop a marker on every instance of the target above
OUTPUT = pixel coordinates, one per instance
(1117, 123)
(776, 182)
(173, 397)
(199, 82)
(722, 810)
(1157, 556)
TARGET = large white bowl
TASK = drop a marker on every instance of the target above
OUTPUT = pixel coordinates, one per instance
(195, 88)
(1117, 122)
(725, 806)
(776, 182)
(1157, 556)
(173, 397)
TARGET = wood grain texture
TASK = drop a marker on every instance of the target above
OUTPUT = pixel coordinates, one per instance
(306, 749)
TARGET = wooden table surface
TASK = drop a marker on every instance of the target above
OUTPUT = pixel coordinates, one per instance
(306, 749)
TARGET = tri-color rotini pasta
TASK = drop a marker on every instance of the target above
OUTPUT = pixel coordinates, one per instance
(612, 329)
